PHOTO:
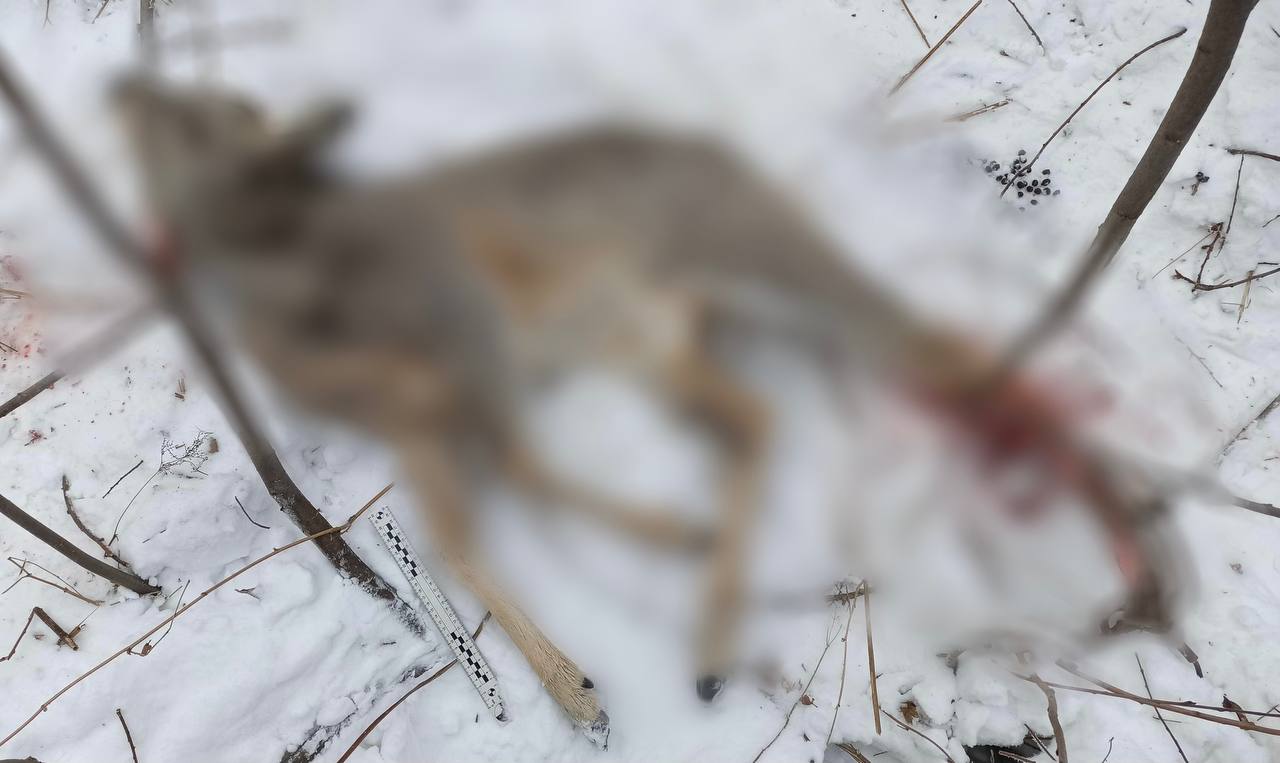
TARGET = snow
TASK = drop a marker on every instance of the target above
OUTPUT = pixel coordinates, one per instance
(291, 655)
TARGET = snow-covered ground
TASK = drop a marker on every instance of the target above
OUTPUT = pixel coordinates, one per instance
(290, 655)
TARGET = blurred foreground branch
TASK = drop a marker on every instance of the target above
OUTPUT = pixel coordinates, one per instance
(173, 297)
(68, 549)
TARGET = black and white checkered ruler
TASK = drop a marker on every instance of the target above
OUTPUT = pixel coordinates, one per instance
(441, 612)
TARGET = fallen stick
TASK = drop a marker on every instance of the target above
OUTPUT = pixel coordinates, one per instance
(128, 736)
(68, 549)
(1251, 152)
(71, 509)
(342, 528)
(915, 23)
(934, 49)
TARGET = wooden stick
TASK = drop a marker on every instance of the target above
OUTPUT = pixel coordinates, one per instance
(1026, 170)
(1251, 152)
(342, 528)
(844, 665)
(1118, 693)
(1223, 27)
(934, 49)
(1030, 28)
(917, 732)
(1159, 715)
(128, 736)
(68, 549)
(21, 633)
(871, 659)
(383, 715)
(915, 23)
(106, 550)
(1059, 736)
(967, 115)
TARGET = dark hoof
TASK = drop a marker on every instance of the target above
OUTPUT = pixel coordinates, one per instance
(709, 687)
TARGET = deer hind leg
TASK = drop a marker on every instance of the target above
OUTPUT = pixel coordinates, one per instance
(433, 472)
(660, 528)
(742, 422)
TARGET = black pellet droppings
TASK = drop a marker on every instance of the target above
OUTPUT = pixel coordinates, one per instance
(1022, 152)
(1033, 201)
(1019, 194)
(1056, 192)
(1022, 184)
(1044, 182)
(1035, 183)
(1044, 172)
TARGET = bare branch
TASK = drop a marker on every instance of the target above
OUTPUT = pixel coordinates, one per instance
(1223, 27)
(128, 736)
(70, 551)
(934, 49)
(915, 23)
(106, 550)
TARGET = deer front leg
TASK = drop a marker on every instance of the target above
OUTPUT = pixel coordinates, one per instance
(741, 421)
(660, 528)
(434, 474)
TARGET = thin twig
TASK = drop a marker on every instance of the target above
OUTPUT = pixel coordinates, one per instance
(383, 715)
(65, 587)
(1253, 276)
(339, 529)
(1110, 742)
(917, 732)
(934, 49)
(1117, 692)
(1257, 419)
(128, 736)
(853, 752)
(68, 639)
(1184, 254)
(1059, 736)
(1159, 715)
(25, 396)
(69, 550)
(1026, 169)
(123, 478)
(1251, 152)
(21, 633)
(1030, 28)
(803, 693)
(871, 659)
(915, 23)
(844, 666)
(246, 515)
(71, 509)
(967, 115)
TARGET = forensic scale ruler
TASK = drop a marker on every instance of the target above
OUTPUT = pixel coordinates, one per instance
(441, 612)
